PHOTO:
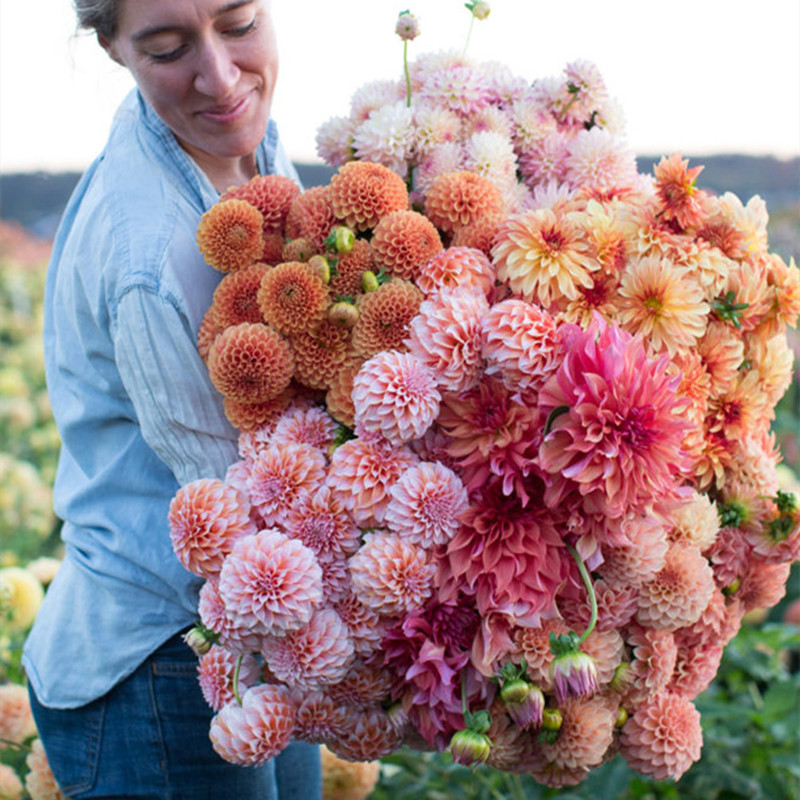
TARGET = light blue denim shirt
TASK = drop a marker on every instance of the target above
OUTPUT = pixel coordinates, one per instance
(126, 292)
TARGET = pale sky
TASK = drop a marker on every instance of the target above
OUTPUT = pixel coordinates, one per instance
(696, 76)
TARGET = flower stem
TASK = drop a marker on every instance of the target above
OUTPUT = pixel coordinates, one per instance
(587, 582)
(469, 32)
(408, 76)
(236, 679)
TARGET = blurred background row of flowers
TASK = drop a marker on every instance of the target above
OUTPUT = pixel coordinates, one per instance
(751, 713)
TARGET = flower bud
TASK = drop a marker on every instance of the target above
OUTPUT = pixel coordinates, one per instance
(480, 9)
(321, 267)
(572, 671)
(407, 27)
(524, 703)
(622, 717)
(343, 313)
(369, 281)
(469, 747)
(552, 719)
(200, 639)
(343, 239)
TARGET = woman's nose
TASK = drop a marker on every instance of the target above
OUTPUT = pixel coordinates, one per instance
(217, 72)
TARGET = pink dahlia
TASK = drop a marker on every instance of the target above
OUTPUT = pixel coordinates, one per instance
(318, 718)
(654, 655)
(270, 583)
(678, 594)
(460, 88)
(663, 738)
(305, 425)
(511, 557)
(40, 783)
(446, 337)
(361, 473)
(363, 686)
(281, 475)
(258, 729)
(520, 345)
(366, 627)
(620, 439)
(366, 736)
(427, 504)
(533, 645)
(696, 665)
(616, 605)
(321, 522)
(234, 637)
(318, 654)
(639, 558)
(215, 672)
(391, 574)
(205, 518)
(457, 266)
(395, 395)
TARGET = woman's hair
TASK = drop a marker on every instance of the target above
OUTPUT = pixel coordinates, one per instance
(100, 15)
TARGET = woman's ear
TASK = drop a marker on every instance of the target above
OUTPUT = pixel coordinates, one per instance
(110, 47)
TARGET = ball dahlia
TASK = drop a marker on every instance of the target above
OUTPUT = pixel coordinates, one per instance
(229, 235)
(292, 298)
(402, 241)
(236, 296)
(456, 199)
(362, 192)
(385, 316)
(272, 195)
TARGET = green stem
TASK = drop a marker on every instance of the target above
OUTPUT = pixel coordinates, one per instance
(469, 32)
(587, 582)
(236, 679)
(408, 76)
(15, 745)
(478, 773)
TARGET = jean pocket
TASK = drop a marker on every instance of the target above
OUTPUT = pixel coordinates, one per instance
(71, 739)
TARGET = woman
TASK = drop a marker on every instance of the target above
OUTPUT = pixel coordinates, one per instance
(114, 688)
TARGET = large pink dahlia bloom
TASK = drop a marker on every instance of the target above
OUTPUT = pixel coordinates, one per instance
(616, 428)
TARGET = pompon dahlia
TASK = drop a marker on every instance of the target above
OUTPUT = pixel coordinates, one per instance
(292, 298)
(320, 354)
(364, 685)
(694, 521)
(274, 244)
(654, 655)
(391, 574)
(616, 605)
(366, 628)
(236, 296)
(446, 337)
(366, 736)
(427, 504)
(663, 738)
(235, 638)
(678, 196)
(250, 363)
(318, 717)
(544, 256)
(258, 729)
(321, 522)
(533, 645)
(697, 663)
(677, 595)
(338, 399)
(663, 303)
(620, 441)
(479, 234)
(456, 199)
(402, 241)
(249, 416)
(458, 267)
(207, 333)
(350, 268)
(215, 673)
(303, 424)
(384, 317)
(311, 216)
(641, 557)
(40, 783)
(16, 720)
(280, 475)
(362, 192)
(272, 195)
(318, 654)
(395, 395)
(520, 344)
(361, 473)
(205, 518)
(586, 733)
(270, 583)
(229, 235)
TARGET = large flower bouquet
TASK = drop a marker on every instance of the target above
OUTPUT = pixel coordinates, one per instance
(507, 484)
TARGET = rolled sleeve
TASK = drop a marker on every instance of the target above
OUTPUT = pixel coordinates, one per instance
(179, 410)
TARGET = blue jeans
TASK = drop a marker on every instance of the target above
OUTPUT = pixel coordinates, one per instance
(148, 738)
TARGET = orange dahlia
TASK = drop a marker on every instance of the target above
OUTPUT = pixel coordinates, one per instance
(347, 780)
(250, 416)
(675, 185)
(236, 296)
(272, 195)
(385, 316)
(274, 244)
(349, 269)
(456, 199)
(208, 332)
(362, 192)
(250, 363)
(319, 354)
(292, 298)
(479, 234)
(311, 216)
(229, 235)
(402, 241)
(339, 398)
(299, 250)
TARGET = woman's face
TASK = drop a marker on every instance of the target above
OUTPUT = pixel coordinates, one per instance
(207, 67)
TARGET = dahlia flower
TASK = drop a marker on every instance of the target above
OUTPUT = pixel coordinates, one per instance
(456, 199)
(270, 583)
(334, 141)
(258, 729)
(205, 518)
(229, 235)
(292, 298)
(599, 161)
(457, 266)
(16, 718)
(386, 137)
(40, 783)
(395, 395)
(384, 317)
(235, 298)
(311, 216)
(272, 195)
(362, 192)
(446, 337)
(347, 780)
(402, 241)
(216, 670)
(679, 198)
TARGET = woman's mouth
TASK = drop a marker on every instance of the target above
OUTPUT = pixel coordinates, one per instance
(228, 112)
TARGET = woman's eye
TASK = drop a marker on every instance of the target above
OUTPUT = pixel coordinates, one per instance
(242, 30)
(169, 55)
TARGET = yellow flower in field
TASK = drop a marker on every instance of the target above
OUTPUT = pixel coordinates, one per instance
(44, 569)
(21, 594)
(347, 780)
